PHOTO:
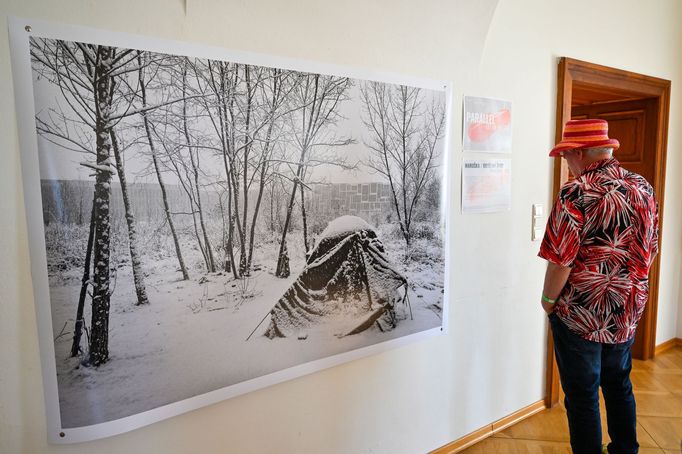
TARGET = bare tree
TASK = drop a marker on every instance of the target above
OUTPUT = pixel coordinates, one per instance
(176, 162)
(157, 168)
(85, 280)
(246, 106)
(276, 200)
(276, 90)
(86, 77)
(220, 78)
(183, 140)
(319, 97)
(195, 162)
(403, 131)
(91, 81)
(304, 217)
(138, 279)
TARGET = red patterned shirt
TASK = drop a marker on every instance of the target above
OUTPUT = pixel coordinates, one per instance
(604, 225)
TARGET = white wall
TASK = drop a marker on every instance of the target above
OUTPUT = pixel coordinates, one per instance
(418, 397)
(519, 62)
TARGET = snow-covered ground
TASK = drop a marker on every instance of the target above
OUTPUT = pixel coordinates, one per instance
(191, 338)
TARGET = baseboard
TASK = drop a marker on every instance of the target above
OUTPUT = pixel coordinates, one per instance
(667, 345)
(518, 416)
(490, 429)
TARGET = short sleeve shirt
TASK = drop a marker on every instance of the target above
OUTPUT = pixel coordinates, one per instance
(604, 225)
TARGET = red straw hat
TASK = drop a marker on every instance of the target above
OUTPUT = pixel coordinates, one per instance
(590, 133)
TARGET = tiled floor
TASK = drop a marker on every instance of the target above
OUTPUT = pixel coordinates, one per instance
(658, 390)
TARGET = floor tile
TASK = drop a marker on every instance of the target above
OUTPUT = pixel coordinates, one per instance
(549, 425)
(644, 437)
(666, 432)
(650, 403)
(671, 382)
(544, 447)
(667, 361)
(644, 380)
(492, 444)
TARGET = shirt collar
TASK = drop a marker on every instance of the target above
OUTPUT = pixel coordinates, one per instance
(602, 163)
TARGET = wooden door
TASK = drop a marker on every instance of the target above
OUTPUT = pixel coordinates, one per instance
(581, 84)
(634, 124)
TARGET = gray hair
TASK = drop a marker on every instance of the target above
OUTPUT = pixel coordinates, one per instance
(599, 151)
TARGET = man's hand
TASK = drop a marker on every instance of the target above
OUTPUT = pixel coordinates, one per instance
(555, 279)
(548, 307)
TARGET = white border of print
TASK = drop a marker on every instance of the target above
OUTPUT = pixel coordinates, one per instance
(20, 30)
(511, 125)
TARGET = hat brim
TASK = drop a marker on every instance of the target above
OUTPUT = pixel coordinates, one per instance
(565, 146)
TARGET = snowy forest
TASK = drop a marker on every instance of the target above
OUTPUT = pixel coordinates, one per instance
(209, 222)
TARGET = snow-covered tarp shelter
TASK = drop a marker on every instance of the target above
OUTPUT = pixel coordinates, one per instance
(347, 285)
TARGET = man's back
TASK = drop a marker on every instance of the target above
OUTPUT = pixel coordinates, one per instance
(605, 227)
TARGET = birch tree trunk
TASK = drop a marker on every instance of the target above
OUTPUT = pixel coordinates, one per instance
(243, 269)
(232, 146)
(230, 265)
(138, 277)
(164, 197)
(210, 260)
(261, 189)
(272, 206)
(78, 329)
(282, 256)
(305, 221)
(265, 158)
(99, 327)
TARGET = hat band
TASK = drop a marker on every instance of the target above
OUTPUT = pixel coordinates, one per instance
(586, 134)
(589, 139)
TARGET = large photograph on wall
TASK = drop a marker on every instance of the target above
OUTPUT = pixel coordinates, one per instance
(223, 223)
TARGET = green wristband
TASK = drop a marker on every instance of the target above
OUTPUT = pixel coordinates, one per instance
(548, 300)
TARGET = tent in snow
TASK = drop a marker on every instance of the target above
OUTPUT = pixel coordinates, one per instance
(347, 281)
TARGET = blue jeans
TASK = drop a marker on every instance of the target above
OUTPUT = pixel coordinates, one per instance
(583, 367)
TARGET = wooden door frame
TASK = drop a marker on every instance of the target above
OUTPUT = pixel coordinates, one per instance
(633, 86)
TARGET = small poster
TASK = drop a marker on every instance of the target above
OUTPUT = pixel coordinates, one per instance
(487, 125)
(486, 185)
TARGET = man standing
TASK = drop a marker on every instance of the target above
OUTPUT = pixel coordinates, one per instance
(601, 238)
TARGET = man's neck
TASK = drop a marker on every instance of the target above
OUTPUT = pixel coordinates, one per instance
(589, 160)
